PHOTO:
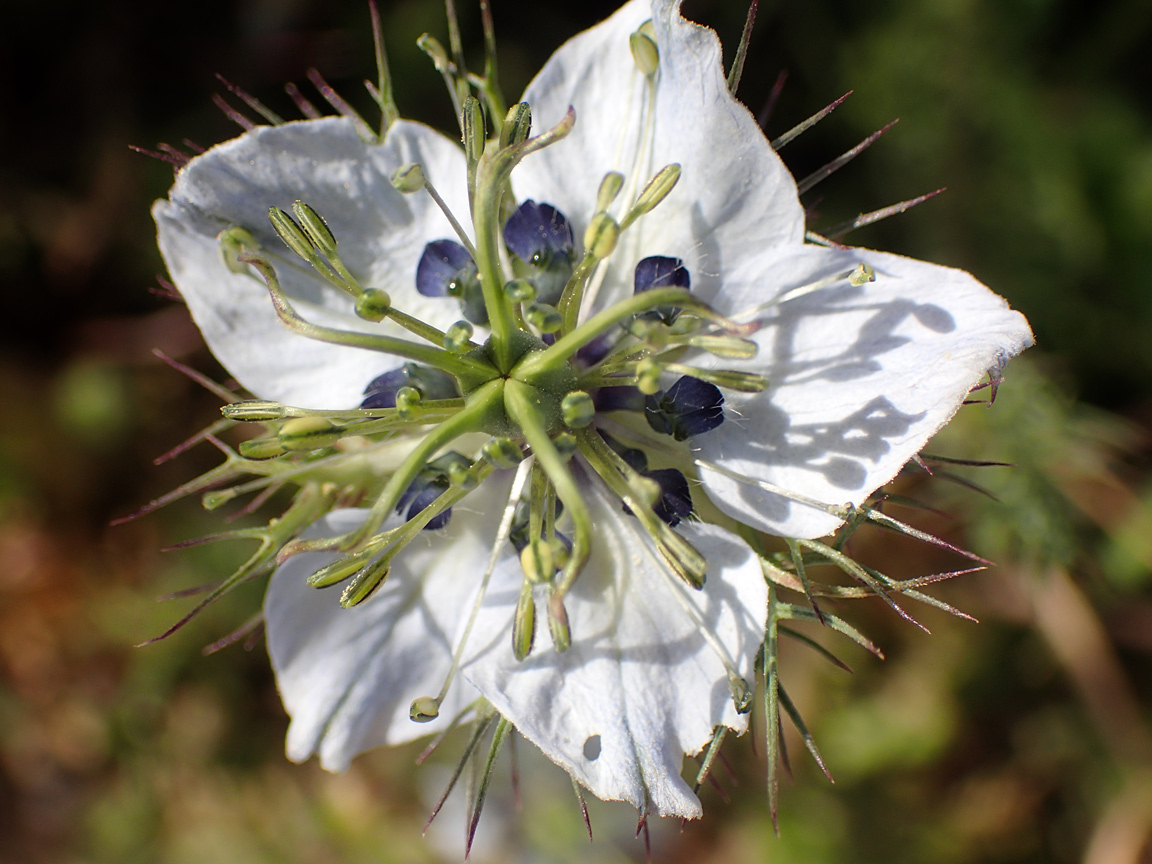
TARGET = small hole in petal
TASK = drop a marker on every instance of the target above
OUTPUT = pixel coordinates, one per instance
(592, 748)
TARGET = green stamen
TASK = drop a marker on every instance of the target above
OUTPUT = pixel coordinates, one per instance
(651, 195)
(517, 125)
(472, 128)
(610, 187)
(261, 448)
(524, 624)
(254, 411)
(742, 382)
(468, 370)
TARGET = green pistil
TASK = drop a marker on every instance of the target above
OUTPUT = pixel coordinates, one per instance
(602, 322)
(573, 295)
(492, 174)
(522, 403)
(486, 218)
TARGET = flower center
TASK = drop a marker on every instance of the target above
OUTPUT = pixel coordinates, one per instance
(544, 383)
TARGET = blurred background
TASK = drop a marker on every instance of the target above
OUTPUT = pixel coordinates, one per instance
(1024, 738)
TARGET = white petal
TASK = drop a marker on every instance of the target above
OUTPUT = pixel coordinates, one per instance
(640, 687)
(859, 378)
(734, 197)
(381, 235)
(348, 676)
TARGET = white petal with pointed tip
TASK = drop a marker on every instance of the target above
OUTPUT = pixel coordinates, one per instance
(640, 686)
(734, 197)
(860, 377)
(381, 235)
(348, 676)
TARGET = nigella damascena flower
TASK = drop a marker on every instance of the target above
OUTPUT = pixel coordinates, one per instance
(583, 399)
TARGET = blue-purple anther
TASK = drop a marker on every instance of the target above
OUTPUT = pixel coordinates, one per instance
(675, 503)
(446, 269)
(429, 485)
(689, 407)
(541, 237)
(675, 499)
(659, 271)
(422, 492)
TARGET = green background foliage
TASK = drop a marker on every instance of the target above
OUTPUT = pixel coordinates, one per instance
(1022, 739)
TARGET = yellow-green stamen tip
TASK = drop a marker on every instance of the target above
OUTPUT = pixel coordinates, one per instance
(644, 52)
(601, 236)
(291, 233)
(424, 709)
(408, 178)
(261, 448)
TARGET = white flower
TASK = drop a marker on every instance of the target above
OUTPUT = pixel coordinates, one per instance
(865, 356)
